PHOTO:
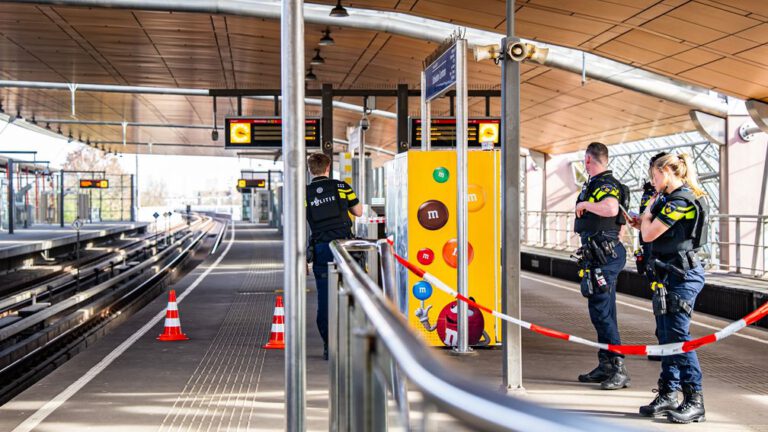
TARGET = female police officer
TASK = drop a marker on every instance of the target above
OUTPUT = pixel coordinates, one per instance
(673, 223)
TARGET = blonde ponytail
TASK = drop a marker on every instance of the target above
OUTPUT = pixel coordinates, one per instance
(689, 175)
(683, 167)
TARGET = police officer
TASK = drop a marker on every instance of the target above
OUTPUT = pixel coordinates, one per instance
(599, 220)
(675, 224)
(329, 203)
(643, 254)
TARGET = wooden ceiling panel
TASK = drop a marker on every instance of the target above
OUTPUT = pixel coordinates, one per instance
(608, 10)
(712, 18)
(758, 55)
(732, 45)
(710, 42)
(684, 30)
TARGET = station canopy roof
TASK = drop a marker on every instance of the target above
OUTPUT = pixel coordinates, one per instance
(716, 44)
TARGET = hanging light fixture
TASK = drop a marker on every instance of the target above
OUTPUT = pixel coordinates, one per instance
(339, 11)
(327, 40)
(310, 76)
(317, 59)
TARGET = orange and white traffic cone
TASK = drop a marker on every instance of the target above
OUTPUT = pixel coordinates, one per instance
(277, 336)
(172, 324)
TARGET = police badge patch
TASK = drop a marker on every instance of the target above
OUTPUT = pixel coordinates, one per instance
(320, 190)
(669, 208)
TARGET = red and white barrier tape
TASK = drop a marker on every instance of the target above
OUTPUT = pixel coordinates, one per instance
(377, 220)
(641, 350)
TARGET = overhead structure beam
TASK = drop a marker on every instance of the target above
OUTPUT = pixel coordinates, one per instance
(572, 60)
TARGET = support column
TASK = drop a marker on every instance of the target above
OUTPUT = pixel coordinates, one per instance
(462, 170)
(294, 192)
(327, 121)
(426, 118)
(403, 140)
(61, 199)
(512, 364)
(133, 201)
(11, 198)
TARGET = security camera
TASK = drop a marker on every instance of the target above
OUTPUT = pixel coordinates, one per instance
(215, 135)
(364, 123)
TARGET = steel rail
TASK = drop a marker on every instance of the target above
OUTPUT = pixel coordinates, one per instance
(100, 263)
(79, 298)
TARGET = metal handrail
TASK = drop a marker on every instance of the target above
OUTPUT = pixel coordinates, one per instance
(360, 308)
(720, 253)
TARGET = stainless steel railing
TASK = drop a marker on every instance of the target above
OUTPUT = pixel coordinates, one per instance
(383, 376)
(736, 243)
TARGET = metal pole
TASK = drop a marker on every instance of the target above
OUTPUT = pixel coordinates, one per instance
(294, 191)
(512, 364)
(403, 140)
(137, 200)
(327, 122)
(11, 198)
(462, 115)
(61, 198)
(361, 174)
(426, 120)
(133, 202)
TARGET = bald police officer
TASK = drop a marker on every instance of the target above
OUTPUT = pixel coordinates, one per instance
(329, 203)
(599, 220)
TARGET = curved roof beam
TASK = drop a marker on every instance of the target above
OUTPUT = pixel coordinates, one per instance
(597, 67)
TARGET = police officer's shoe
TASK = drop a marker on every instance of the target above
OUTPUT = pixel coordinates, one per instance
(664, 402)
(601, 373)
(692, 408)
(619, 378)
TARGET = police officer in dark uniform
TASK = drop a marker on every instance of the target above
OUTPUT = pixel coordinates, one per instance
(329, 203)
(675, 223)
(643, 254)
(599, 220)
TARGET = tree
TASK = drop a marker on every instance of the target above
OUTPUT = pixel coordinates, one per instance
(114, 202)
(154, 194)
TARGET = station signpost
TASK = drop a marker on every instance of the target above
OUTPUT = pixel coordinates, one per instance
(449, 71)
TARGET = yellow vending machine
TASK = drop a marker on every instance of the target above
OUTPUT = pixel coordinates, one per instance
(421, 217)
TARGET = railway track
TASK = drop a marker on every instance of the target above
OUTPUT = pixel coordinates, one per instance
(45, 325)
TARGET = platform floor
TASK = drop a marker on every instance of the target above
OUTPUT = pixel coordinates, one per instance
(221, 379)
(41, 237)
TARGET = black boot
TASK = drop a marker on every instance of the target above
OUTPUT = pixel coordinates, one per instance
(664, 402)
(599, 374)
(619, 377)
(692, 408)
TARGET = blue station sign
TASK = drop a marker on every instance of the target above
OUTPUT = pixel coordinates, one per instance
(440, 75)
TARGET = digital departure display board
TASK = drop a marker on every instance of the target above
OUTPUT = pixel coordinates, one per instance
(251, 184)
(443, 132)
(94, 184)
(261, 132)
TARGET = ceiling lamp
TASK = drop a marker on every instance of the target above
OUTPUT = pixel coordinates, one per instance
(317, 59)
(310, 76)
(327, 40)
(339, 11)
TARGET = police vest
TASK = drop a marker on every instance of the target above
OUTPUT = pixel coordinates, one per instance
(326, 207)
(691, 228)
(593, 191)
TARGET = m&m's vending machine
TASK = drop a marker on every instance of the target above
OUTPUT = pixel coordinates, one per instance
(421, 213)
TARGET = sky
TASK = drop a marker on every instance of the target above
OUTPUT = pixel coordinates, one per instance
(183, 175)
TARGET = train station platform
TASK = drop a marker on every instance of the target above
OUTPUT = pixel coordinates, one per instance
(42, 237)
(221, 379)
